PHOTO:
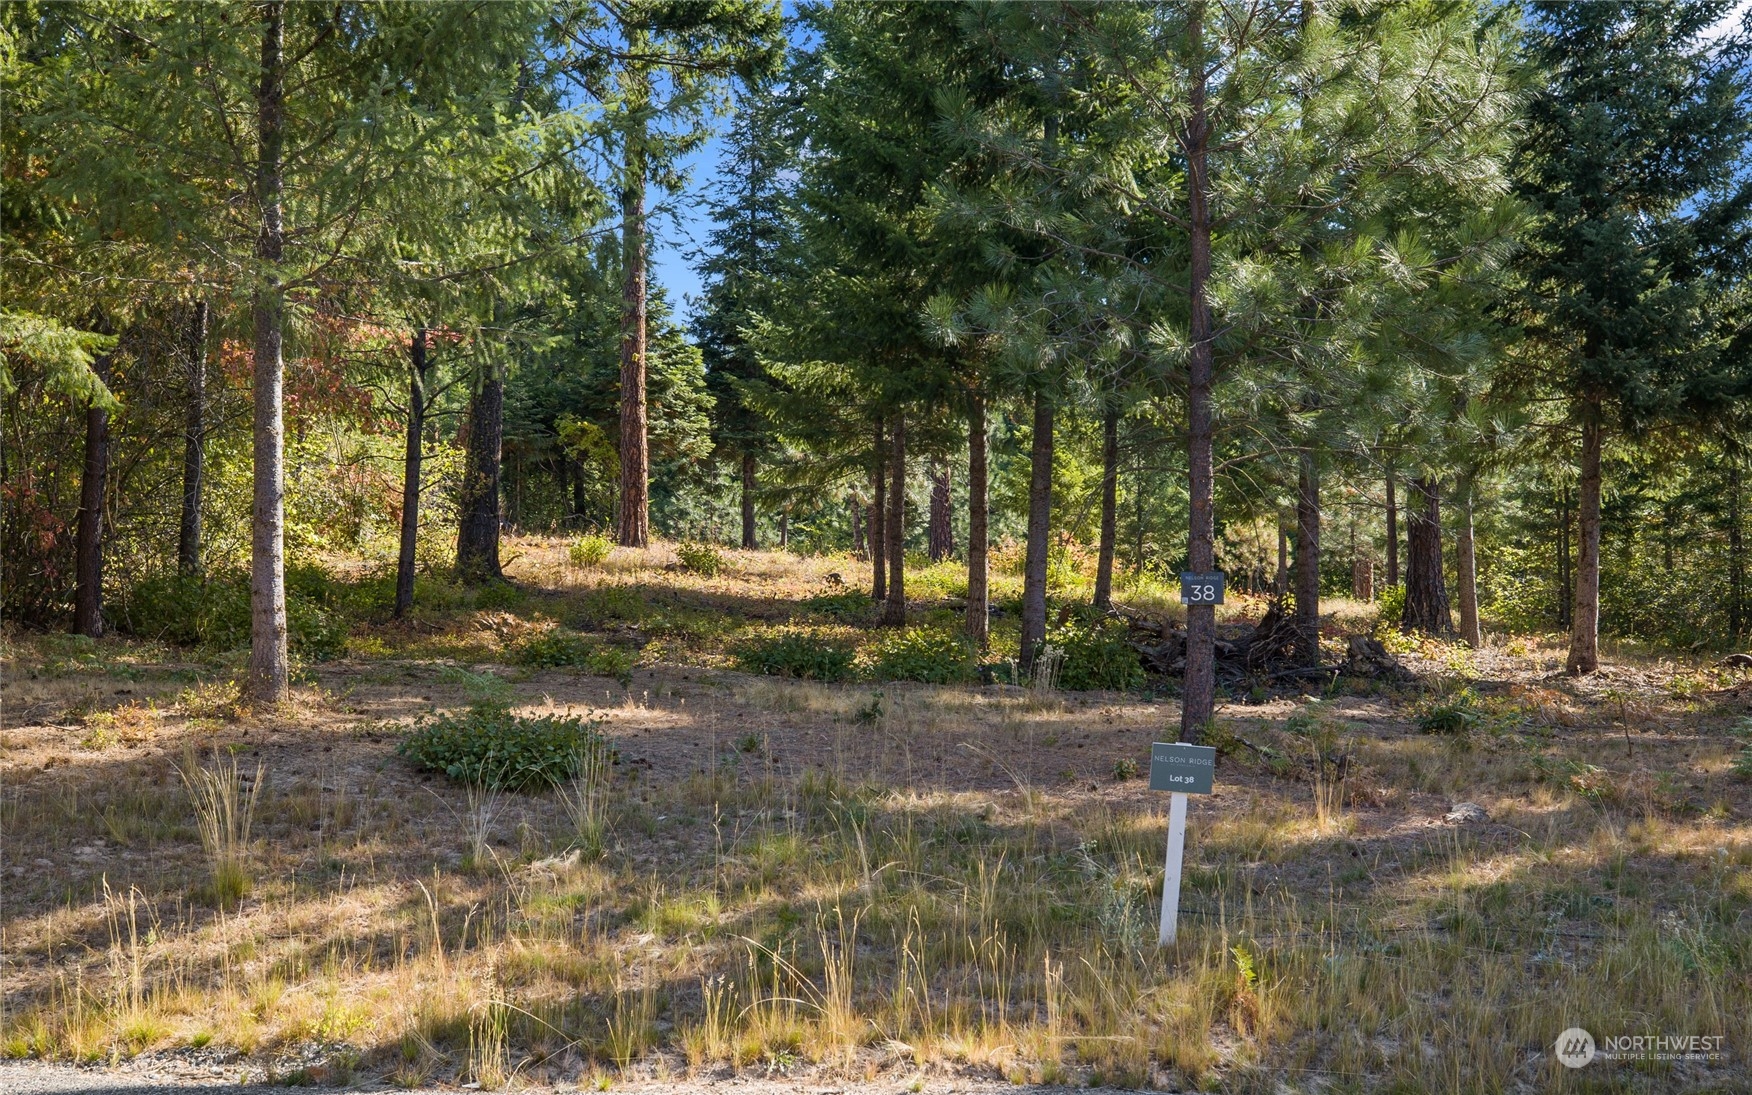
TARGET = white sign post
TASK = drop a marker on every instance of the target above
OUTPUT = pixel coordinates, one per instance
(1184, 770)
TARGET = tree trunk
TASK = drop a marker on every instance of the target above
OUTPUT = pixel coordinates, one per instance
(269, 672)
(978, 596)
(784, 529)
(750, 541)
(1199, 695)
(1307, 561)
(1736, 549)
(1584, 651)
(894, 611)
(1392, 531)
(410, 522)
(1466, 570)
(1426, 592)
(878, 513)
(941, 537)
(1039, 532)
(1109, 509)
(1563, 558)
(634, 529)
(477, 539)
(188, 539)
(860, 546)
(88, 537)
(1280, 584)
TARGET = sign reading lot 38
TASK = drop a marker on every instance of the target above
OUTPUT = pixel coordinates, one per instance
(1184, 770)
(1187, 768)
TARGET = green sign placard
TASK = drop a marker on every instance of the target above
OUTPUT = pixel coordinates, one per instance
(1189, 769)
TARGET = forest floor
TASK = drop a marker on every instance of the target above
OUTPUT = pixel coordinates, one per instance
(909, 886)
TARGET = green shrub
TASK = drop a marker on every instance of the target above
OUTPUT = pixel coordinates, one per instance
(1455, 714)
(796, 654)
(489, 745)
(1392, 602)
(589, 551)
(215, 612)
(702, 559)
(1097, 655)
(560, 647)
(606, 605)
(847, 603)
(499, 594)
(928, 654)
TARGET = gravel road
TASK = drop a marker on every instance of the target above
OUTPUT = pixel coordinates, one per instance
(37, 1078)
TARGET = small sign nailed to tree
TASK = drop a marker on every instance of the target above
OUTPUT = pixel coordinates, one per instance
(1184, 770)
(1201, 589)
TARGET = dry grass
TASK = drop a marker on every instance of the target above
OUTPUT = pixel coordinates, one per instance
(867, 881)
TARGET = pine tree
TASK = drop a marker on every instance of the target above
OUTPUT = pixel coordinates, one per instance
(1632, 163)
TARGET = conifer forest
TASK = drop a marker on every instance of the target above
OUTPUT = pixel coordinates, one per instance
(658, 544)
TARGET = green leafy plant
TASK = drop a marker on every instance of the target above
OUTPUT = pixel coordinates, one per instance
(1391, 604)
(796, 654)
(928, 654)
(1456, 714)
(1097, 655)
(589, 551)
(215, 612)
(560, 647)
(1125, 768)
(488, 746)
(847, 603)
(702, 559)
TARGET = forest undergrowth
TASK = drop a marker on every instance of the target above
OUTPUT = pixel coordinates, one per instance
(859, 878)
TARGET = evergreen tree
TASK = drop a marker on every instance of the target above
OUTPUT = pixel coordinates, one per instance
(1633, 164)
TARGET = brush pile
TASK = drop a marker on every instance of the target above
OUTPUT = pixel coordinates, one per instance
(1266, 649)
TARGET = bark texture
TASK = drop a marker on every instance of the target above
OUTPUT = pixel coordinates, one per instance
(88, 533)
(1584, 651)
(1426, 591)
(941, 533)
(1039, 530)
(1466, 570)
(894, 526)
(411, 461)
(978, 597)
(634, 526)
(1392, 530)
(750, 539)
(1307, 651)
(188, 535)
(477, 537)
(1103, 598)
(269, 671)
(878, 513)
(1198, 702)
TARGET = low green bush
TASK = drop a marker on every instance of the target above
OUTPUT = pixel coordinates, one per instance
(214, 611)
(1097, 654)
(928, 654)
(560, 647)
(850, 603)
(796, 654)
(499, 594)
(1392, 605)
(1456, 714)
(488, 745)
(702, 559)
(589, 551)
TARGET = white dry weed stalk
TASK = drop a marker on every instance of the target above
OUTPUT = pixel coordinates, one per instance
(585, 798)
(1047, 664)
(224, 809)
(484, 803)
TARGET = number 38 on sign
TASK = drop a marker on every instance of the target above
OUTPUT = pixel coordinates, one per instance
(1201, 589)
